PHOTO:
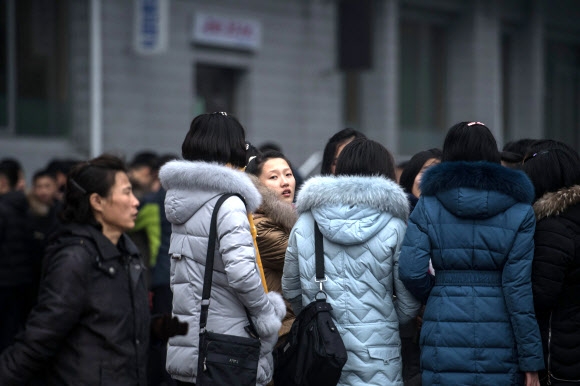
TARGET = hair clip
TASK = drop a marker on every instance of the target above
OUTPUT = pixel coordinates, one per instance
(536, 154)
(76, 185)
(221, 112)
(475, 123)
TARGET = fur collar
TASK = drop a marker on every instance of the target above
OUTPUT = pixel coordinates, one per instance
(554, 203)
(477, 175)
(277, 211)
(376, 192)
(194, 175)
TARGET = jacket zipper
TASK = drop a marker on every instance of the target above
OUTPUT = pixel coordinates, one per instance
(550, 349)
(127, 262)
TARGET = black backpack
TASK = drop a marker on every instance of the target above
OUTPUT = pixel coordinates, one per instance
(313, 353)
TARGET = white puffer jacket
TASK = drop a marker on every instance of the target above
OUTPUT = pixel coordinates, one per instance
(192, 191)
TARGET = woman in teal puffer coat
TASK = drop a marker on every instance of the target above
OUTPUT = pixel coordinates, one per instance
(361, 213)
(475, 222)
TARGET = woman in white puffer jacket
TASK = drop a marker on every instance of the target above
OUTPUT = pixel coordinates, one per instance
(214, 149)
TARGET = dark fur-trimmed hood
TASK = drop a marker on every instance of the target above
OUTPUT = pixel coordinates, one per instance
(276, 210)
(379, 193)
(480, 176)
(476, 189)
(555, 203)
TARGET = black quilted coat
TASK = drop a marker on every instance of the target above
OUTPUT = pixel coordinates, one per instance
(556, 282)
(91, 324)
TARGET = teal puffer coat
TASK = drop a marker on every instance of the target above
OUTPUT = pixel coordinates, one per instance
(362, 220)
(474, 221)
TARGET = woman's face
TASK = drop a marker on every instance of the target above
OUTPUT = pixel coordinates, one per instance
(117, 211)
(337, 153)
(277, 176)
(430, 162)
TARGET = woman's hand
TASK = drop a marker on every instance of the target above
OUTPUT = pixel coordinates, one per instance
(532, 378)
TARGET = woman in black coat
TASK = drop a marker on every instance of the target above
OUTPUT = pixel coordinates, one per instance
(554, 169)
(91, 323)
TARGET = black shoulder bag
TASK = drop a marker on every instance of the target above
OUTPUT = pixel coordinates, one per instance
(314, 353)
(223, 359)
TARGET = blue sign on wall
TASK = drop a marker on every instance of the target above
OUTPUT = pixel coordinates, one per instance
(151, 26)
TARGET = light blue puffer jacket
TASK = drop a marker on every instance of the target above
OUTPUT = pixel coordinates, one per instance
(362, 220)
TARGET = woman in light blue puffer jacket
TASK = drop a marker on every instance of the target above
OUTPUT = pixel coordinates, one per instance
(361, 213)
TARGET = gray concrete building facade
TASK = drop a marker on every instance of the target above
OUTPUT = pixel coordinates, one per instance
(81, 77)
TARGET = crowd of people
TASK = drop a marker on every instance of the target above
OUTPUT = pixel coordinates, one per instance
(460, 266)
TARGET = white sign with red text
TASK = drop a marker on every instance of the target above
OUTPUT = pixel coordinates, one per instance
(222, 31)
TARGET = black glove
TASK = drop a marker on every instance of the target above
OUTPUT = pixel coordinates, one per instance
(164, 326)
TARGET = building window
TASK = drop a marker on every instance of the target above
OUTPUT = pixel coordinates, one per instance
(351, 99)
(216, 89)
(423, 77)
(34, 94)
(562, 119)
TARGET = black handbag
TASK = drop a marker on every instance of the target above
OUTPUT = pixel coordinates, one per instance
(314, 353)
(224, 359)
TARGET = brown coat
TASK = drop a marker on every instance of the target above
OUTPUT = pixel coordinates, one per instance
(274, 219)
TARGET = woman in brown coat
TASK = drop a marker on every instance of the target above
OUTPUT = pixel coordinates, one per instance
(274, 218)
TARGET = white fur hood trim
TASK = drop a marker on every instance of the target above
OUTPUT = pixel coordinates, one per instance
(380, 193)
(206, 176)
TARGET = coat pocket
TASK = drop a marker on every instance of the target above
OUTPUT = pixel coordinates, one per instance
(386, 354)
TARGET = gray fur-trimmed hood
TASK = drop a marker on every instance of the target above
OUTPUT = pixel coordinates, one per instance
(352, 209)
(190, 184)
(378, 193)
(276, 210)
(555, 203)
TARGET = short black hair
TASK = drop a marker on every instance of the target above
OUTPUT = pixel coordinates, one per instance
(551, 165)
(519, 146)
(333, 143)
(470, 141)
(256, 165)
(414, 166)
(215, 137)
(270, 146)
(365, 157)
(43, 173)
(145, 158)
(164, 158)
(513, 152)
(86, 178)
(11, 169)
(64, 166)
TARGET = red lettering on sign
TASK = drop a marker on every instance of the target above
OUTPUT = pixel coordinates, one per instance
(212, 26)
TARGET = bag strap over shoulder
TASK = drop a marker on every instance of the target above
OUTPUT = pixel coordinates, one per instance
(319, 254)
(208, 273)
